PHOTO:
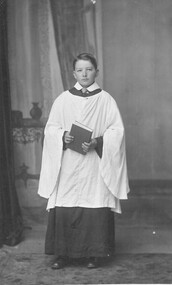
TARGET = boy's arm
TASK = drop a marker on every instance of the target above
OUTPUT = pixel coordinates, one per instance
(99, 147)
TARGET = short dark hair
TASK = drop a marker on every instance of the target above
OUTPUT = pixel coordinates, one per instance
(85, 56)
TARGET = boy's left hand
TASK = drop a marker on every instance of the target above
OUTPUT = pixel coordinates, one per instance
(89, 146)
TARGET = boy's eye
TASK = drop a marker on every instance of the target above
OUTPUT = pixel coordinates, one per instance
(88, 69)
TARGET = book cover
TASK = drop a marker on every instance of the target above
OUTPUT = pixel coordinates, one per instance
(81, 134)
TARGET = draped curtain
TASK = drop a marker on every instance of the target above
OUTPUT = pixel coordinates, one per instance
(44, 37)
(71, 34)
(10, 215)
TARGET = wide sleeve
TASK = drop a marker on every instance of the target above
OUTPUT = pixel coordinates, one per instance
(52, 153)
(113, 166)
(99, 147)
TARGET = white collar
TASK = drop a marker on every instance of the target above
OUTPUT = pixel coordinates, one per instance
(90, 88)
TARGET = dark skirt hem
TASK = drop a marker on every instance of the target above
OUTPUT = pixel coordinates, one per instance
(80, 232)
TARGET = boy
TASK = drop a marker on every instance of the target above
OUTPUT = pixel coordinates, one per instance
(83, 191)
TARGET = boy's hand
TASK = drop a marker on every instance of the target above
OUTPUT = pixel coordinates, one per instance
(68, 138)
(89, 146)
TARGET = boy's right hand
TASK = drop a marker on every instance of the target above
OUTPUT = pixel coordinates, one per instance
(68, 138)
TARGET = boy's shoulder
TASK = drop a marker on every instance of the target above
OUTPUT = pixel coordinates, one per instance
(60, 99)
(107, 94)
(108, 98)
(62, 95)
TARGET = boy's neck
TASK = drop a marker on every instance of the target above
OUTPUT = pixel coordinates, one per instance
(85, 87)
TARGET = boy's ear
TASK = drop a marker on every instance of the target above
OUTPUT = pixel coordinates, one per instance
(74, 74)
(97, 72)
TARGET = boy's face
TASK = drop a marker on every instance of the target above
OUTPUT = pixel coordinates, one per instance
(85, 73)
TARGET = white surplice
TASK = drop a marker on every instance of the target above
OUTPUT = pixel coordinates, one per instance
(70, 179)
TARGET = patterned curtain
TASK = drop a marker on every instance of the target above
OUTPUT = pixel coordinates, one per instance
(11, 225)
(70, 35)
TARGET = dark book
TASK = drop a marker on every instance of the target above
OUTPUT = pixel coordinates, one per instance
(81, 134)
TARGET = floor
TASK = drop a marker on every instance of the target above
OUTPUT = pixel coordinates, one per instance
(143, 230)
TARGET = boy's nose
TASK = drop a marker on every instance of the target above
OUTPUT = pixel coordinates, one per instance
(84, 73)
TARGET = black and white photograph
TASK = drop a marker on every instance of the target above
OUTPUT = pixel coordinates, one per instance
(85, 142)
